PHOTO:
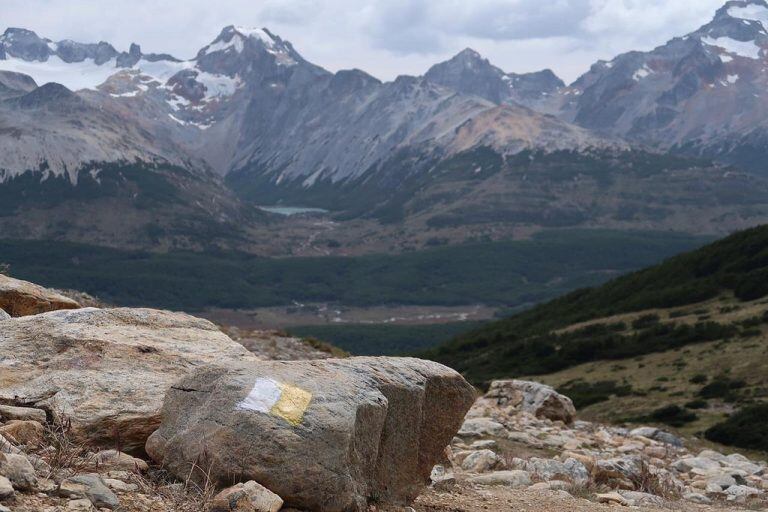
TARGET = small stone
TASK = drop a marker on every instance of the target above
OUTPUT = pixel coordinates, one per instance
(8, 413)
(695, 497)
(612, 498)
(442, 480)
(18, 470)
(642, 499)
(92, 487)
(23, 432)
(741, 493)
(480, 427)
(487, 444)
(481, 461)
(516, 479)
(116, 460)
(6, 488)
(120, 486)
(248, 497)
(79, 505)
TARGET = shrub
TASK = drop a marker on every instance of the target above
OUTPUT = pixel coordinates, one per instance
(699, 379)
(697, 404)
(585, 394)
(745, 429)
(722, 387)
(673, 415)
(645, 321)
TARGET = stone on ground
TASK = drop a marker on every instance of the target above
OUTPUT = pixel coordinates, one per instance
(21, 298)
(23, 432)
(18, 469)
(514, 396)
(515, 479)
(106, 370)
(248, 497)
(9, 413)
(113, 459)
(89, 486)
(324, 435)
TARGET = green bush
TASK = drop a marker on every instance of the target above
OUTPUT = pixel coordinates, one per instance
(585, 394)
(745, 429)
(673, 415)
(722, 387)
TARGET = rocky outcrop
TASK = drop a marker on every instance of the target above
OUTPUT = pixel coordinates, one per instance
(21, 298)
(509, 397)
(324, 435)
(643, 467)
(106, 370)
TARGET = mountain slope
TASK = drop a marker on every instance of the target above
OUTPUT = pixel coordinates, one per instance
(526, 343)
(704, 93)
(469, 73)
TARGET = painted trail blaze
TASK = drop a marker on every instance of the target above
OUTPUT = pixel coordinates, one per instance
(277, 399)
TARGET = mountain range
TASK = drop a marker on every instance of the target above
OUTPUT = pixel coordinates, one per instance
(133, 148)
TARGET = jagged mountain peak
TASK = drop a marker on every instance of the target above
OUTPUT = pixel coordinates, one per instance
(235, 40)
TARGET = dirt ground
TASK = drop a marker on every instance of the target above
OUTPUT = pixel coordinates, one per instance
(466, 498)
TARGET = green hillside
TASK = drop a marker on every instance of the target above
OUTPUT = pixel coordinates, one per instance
(529, 343)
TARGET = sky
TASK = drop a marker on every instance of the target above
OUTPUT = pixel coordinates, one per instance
(386, 38)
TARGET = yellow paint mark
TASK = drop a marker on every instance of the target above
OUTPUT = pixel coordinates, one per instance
(292, 404)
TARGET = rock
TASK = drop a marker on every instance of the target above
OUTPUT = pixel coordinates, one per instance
(689, 464)
(516, 479)
(657, 435)
(481, 461)
(484, 445)
(90, 486)
(549, 469)
(442, 480)
(482, 427)
(612, 498)
(80, 505)
(324, 435)
(120, 486)
(5, 509)
(553, 485)
(21, 298)
(741, 493)
(642, 499)
(626, 469)
(23, 432)
(116, 460)
(6, 488)
(107, 370)
(4, 315)
(18, 470)
(723, 481)
(695, 497)
(247, 497)
(515, 396)
(10, 413)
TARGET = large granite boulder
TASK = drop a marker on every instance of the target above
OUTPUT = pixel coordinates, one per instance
(21, 298)
(106, 370)
(510, 397)
(329, 435)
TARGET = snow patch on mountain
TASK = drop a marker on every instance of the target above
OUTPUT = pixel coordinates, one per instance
(747, 49)
(641, 73)
(74, 76)
(752, 12)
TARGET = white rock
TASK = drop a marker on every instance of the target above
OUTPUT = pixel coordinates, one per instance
(515, 479)
(481, 461)
(480, 427)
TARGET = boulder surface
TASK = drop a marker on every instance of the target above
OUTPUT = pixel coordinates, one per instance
(510, 397)
(21, 298)
(106, 370)
(330, 435)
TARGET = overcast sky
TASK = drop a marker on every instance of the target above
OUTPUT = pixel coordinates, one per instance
(383, 37)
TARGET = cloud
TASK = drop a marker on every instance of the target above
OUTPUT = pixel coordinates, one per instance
(383, 37)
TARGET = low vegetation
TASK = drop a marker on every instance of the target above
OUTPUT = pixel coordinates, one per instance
(527, 343)
(745, 429)
(511, 274)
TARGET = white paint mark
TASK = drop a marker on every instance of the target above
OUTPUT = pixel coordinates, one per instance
(262, 398)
